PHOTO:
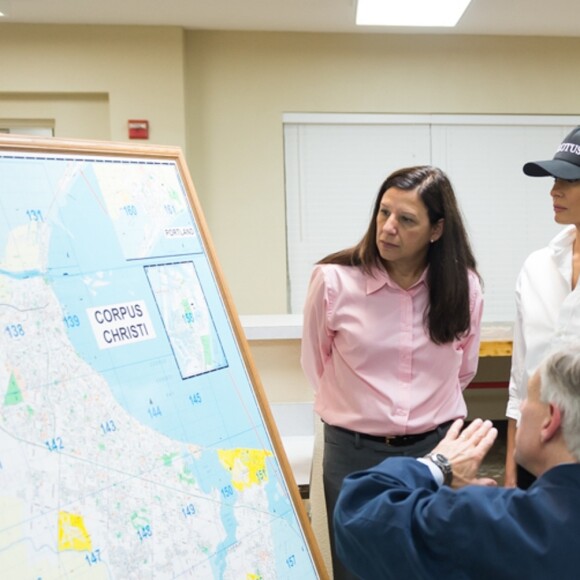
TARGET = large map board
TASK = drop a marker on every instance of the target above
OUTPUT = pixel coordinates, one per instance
(135, 439)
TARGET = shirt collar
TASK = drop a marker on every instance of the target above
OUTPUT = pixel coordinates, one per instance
(380, 277)
(561, 247)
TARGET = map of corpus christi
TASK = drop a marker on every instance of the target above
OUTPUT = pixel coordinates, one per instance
(131, 441)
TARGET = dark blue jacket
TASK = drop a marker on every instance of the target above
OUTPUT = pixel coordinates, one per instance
(393, 521)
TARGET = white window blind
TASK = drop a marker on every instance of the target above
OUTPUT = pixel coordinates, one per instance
(335, 165)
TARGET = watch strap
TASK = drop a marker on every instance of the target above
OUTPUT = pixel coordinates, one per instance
(444, 465)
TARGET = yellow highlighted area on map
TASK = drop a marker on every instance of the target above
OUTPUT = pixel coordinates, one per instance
(247, 466)
(72, 534)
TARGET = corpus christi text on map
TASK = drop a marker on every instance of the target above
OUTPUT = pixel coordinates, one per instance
(131, 441)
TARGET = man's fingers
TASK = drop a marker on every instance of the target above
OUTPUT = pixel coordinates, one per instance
(487, 440)
(477, 430)
(455, 429)
(487, 481)
(471, 429)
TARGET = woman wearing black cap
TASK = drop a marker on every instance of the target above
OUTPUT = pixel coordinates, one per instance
(547, 294)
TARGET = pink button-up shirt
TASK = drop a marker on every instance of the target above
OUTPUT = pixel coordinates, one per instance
(368, 355)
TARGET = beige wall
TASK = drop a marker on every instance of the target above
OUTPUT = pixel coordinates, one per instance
(240, 84)
(137, 72)
(71, 115)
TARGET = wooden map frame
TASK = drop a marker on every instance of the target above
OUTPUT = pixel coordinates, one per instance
(34, 145)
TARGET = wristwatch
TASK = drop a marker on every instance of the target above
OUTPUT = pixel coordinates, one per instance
(443, 464)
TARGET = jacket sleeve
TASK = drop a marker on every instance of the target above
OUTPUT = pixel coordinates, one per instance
(394, 522)
(374, 516)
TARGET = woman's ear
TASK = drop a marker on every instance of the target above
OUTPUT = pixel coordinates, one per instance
(437, 230)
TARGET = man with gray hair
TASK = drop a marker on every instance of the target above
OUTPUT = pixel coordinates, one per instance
(434, 518)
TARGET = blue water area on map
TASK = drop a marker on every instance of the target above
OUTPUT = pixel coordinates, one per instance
(21, 275)
(230, 524)
(39, 198)
(87, 269)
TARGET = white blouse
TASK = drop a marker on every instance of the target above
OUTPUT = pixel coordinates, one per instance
(548, 312)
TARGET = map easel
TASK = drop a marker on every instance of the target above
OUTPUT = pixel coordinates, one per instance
(136, 440)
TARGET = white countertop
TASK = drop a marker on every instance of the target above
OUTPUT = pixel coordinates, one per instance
(299, 450)
(289, 326)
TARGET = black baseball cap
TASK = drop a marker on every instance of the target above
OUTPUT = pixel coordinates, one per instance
(566, 161)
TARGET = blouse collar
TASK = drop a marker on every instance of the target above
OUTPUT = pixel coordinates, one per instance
(380, 277)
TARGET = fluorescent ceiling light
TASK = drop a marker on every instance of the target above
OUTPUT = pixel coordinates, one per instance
(410, 12)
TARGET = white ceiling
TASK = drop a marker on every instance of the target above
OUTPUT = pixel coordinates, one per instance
(511, 17)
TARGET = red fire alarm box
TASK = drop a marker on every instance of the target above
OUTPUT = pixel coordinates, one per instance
(138, 129)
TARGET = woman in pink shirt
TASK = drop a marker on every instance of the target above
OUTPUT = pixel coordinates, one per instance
(391, 331)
